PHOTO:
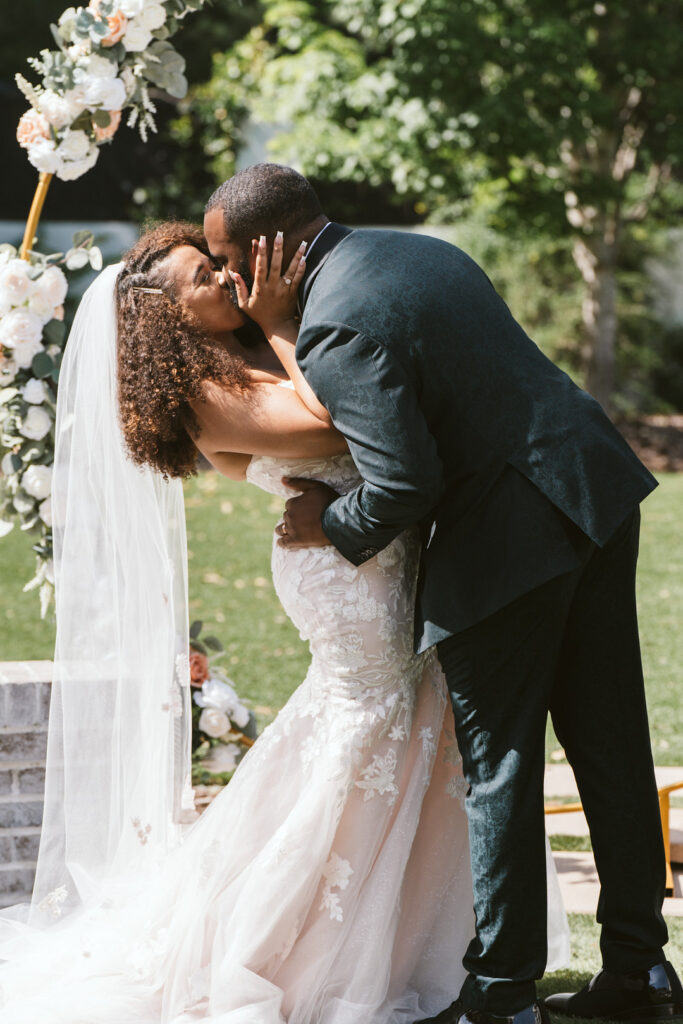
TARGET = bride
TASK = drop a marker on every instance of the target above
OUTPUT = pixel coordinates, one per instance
(329, 883)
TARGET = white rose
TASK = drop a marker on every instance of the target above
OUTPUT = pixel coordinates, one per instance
(53, 284)
(108, 93)
(15, 282)
(24, 350)
(60, 110)
(36, 423)
(43, 156)
(23, 504)
(45, 513)
(34, 392)
(74, 146)
(72, 169)
(137, 38)
(37, 481)
(213, 722)
(20, 325)
(240, 716)
(152, 16)
(41, 307)
(96, 67)
(131, 7)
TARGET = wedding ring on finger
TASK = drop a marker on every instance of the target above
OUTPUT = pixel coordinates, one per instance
(288, 281)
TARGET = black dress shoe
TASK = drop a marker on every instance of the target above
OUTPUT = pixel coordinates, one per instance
(457, 1013)
(641, 998)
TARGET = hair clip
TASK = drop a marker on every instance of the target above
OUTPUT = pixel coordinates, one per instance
(148, 291)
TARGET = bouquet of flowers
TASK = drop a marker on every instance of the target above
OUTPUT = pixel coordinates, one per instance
(32, 336)
(223, 728)
(108, 55)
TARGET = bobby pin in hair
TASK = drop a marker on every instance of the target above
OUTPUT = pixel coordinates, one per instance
(148, 291)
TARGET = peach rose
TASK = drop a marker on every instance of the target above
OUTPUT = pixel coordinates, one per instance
(117, 22)
(199, 668)
(104, 134)
(32, 127)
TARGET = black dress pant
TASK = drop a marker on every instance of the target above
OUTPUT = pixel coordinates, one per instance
(569, 647)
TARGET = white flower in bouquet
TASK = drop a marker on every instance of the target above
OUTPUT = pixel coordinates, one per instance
(137, 37)
(107, 93)
(152, 16)
(67, 21)
(75, 145)
(96, 67)
(53, 284)
(45, 513)
(36, 423)
(72, 169)
(60, 110)
(15, 282)
(23, 504)
(41, 307)
(49, 565)
(34, 392)
(129, 80)
(37, 481)
(20, 325)
(214, 723)
(6, 465)
(222, 758)
(24, 351)
(43, 156)
(131, 7)
(221, 695)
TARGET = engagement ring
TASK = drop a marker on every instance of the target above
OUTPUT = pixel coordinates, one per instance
(288, 280)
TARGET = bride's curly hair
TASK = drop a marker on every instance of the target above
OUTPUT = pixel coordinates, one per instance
(164, 355)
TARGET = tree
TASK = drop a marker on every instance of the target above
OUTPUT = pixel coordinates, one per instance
(562, 119)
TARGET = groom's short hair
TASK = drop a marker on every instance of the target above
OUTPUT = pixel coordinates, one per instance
(263, 199)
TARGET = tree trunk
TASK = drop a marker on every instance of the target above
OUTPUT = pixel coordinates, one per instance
(596, 258)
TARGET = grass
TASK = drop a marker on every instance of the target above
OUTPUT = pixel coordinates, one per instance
(585, 958)
(229, 530)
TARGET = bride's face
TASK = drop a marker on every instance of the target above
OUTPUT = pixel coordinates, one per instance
(200, 288)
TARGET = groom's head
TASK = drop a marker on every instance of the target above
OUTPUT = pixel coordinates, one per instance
(260, 200)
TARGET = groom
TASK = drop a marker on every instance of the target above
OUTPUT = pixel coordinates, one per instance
(527, 499)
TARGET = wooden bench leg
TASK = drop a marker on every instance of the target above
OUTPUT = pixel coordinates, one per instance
(664, 805)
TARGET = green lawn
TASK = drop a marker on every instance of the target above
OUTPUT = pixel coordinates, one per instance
(229, 529)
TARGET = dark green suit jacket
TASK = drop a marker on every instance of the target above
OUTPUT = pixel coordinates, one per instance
(456, 422)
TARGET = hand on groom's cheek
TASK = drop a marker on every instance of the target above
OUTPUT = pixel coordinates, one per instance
(301, 526)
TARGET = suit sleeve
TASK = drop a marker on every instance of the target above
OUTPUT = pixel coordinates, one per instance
(374, 403)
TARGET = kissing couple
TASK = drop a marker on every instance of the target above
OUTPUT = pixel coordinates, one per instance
(458, 548)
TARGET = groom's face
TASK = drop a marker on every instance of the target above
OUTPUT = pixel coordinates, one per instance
(226, 254)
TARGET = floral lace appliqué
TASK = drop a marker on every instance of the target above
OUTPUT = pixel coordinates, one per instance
(52, 904)
(336, 873)
(378, 777)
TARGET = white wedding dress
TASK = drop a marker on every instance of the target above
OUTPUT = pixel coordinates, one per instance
(329, 883)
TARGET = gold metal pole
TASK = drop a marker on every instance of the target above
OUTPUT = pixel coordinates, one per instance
(34, 214)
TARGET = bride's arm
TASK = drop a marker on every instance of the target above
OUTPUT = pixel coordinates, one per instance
(272, 304)
(263, 419)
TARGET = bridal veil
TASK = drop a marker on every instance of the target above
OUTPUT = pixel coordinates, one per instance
(119, 743)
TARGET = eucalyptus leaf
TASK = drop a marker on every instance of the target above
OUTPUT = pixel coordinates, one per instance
(76, 259)
(95, 258)
(54, 332)
(195, 629)
(197, 645)
(42, 365)
(86, 237)
(213, 643)
(102, 118)
(16, 462)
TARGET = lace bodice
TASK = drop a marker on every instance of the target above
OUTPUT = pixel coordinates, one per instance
(339, 471)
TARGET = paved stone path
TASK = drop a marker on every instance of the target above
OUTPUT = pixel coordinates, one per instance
(578, 877)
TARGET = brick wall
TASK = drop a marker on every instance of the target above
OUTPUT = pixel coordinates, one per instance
(24, 704)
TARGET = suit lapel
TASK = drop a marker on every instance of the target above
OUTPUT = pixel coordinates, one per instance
(331, 237)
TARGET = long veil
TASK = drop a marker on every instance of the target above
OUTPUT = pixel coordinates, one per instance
(118, 783)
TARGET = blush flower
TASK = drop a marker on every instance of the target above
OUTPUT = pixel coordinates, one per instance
(32, 126)
(117, 23)
(108, 132)
(199, 668)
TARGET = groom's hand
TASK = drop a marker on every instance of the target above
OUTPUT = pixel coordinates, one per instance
(301, 526)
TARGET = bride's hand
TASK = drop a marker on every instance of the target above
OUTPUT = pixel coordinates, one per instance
(272, 301)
